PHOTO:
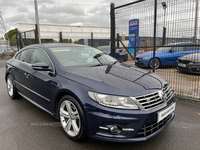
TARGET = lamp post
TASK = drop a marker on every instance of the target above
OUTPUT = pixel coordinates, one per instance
(37, 21)
(164, 28)
(196, 21)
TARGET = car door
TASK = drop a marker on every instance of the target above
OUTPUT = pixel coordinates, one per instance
(174, 53)
(41, 82)
(20, 68)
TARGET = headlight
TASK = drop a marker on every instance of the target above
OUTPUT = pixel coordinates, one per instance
(113, 101)
(144, 58)
(196, 63)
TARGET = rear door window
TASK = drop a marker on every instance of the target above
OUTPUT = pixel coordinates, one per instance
(178, 49)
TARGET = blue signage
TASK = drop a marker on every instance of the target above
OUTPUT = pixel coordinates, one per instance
(133, 34)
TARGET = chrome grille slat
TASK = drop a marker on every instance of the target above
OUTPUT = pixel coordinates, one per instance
(155, 103)
(139, 97)
(170, 96)
(168, 91)
(146, 98)
(153, 100)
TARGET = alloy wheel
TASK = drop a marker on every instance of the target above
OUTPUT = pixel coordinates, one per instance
(10, 86)
(157, 63)
(70, 118)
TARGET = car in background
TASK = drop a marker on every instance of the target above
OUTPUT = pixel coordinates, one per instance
(120, 54)
(91, 92)
(166, 56)
(189, 63)
(7, 52)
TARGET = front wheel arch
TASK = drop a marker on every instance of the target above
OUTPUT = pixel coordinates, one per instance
(59, 97)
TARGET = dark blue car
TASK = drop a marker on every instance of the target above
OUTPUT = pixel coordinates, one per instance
(165, 56)
(120, 54)
(90, 92)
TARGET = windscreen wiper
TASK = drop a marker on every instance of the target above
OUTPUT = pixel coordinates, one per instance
(110, 66)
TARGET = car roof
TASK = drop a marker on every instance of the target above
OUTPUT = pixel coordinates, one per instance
(180, 43)
(52, 45)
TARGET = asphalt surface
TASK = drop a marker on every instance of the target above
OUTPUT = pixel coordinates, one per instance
(2, 63)
(24, 126)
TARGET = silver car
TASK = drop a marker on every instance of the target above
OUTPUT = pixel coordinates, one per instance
(7, 52)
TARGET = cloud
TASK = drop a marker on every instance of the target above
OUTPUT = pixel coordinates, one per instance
(76, 12)
(56, 9)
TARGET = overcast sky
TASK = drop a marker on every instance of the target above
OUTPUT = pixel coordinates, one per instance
(66, 12)
(180, 15)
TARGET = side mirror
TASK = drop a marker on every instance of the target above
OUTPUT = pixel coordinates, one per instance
(171, 50)
(41, 66)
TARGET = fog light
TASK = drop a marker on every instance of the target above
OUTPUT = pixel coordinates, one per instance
(115, 129)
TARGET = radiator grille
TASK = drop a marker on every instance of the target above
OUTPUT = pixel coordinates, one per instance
(153, 100)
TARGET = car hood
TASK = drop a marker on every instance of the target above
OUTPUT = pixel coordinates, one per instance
(118, 79)
(195, 57)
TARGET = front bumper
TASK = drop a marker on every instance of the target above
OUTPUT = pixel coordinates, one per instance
(144, 123)
(141, 62)
(190, 68)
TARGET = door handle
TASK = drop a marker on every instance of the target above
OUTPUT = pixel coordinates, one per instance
(27, 75)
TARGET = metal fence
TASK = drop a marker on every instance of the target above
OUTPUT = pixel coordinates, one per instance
(91, 36)
(161, 36)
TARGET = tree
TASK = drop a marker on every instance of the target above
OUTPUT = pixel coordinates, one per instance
(11, 36)
(10, 33)
(75, 42)
(70, 40)
(13, 41)
(65, 41)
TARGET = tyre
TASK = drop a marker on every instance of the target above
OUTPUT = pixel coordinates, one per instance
(72, 118)
(157, 63)
(12, 91)
(126, 58)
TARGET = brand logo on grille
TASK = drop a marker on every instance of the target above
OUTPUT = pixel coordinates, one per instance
(148, 100)
(162, 95)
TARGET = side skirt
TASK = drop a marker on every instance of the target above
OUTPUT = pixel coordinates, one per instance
(36, 104)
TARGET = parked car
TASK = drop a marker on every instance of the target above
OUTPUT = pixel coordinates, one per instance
(120, 54)
(91, 93)
(7, 52)
(189, 63)
(165, 56)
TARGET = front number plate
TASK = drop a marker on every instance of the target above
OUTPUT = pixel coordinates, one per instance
(181, 65)
(164, 113)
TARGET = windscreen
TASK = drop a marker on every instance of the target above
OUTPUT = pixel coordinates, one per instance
(163, 49)
(81, 56)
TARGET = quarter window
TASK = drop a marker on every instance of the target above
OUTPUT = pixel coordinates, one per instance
(178, 49)
(25, 55)
(17, 57)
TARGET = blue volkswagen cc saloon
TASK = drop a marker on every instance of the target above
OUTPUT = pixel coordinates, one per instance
(166, 56)
(91, 93)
